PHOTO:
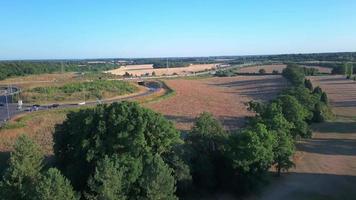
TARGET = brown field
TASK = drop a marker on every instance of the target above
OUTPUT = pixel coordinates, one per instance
(279, 68)
(38, 125)
(326, 164)
(341, 93)
(224, 97)
(140, 70)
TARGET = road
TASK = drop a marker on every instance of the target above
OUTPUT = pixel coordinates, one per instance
(10, 110)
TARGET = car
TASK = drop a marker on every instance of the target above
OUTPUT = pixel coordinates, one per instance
(81, 103)
(2, 104)
(54, 105)
(35, 107)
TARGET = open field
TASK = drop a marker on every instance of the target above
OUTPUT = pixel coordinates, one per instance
(38, 125)
(224, 97)
(341, 93)
(279, 68)
(325, 164)
(141, 70)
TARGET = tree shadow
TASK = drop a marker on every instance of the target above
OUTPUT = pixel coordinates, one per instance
(335, 127)
(302, 186)
(328, 146)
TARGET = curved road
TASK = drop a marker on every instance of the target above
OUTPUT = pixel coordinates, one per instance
(10, 110)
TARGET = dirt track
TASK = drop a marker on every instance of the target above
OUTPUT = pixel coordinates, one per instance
(326, 164)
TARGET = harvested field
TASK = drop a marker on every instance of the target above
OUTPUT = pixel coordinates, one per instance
(141, 70)
(279, 68)
(224, 97)
(341, 93)
(325, 164)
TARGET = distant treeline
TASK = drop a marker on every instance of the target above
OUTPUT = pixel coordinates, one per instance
(22, 68)
(173, 62)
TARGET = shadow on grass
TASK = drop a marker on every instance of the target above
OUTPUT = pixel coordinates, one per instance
(303, 186)
(330, 146)
(335, 127)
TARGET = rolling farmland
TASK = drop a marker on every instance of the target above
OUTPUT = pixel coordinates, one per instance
(224, 97)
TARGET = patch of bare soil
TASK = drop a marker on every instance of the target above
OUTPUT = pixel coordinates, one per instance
(225, 98)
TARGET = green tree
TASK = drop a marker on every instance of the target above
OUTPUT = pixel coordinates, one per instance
(108, 181)
(251, 150)
(23, 171)
(317, 91)
(294, 74)
(324, 98)
(124, 129)
(157, 181)
(295, 113)
(54, 186)
(262, 71)
(348, 70)
(206, 140)
(273, 117)
(308, 84)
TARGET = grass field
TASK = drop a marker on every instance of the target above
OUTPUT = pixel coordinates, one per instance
(224, 97)
(69, 87)
(78, 91)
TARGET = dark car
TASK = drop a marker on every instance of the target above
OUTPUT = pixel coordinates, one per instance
(2, 104)
(54, 105)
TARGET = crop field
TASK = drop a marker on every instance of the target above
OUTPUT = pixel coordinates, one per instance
(224, 97)
(279, 68)
(141, 70)
(341, 93)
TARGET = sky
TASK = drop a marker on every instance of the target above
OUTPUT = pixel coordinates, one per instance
(77, 29)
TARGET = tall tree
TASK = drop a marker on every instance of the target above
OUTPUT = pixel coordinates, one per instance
(108, 181)
(295, 113)
(157, 181)
(23, 171)
(251, 150)
(121, 129)
(206, 140)
(54, 186)
(308, 84)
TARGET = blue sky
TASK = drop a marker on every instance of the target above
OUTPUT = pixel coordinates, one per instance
(55, 29)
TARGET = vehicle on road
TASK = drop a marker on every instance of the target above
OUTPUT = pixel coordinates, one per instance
(35, 107)
(54, 105)
(81, 103)
(2, 104)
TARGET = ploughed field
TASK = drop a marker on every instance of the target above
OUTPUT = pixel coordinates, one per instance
(224, 97)
(277, 67)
